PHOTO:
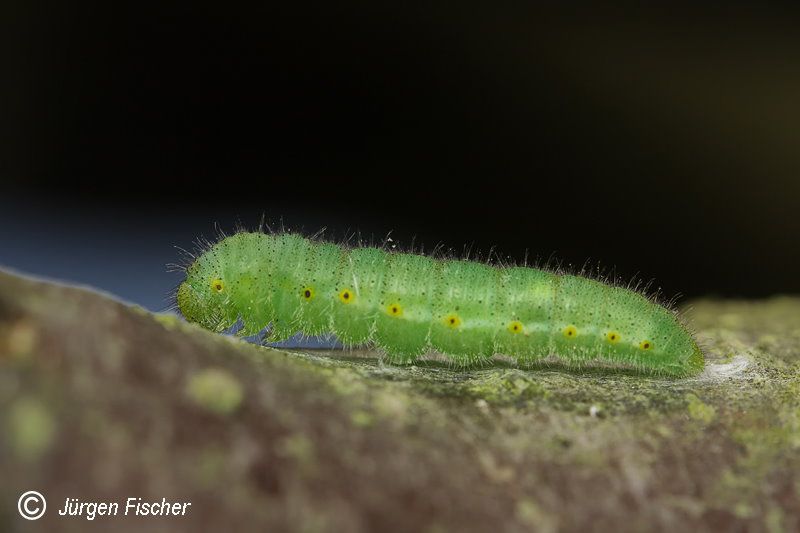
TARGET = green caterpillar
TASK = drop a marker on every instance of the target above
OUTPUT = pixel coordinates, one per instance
(408, 304)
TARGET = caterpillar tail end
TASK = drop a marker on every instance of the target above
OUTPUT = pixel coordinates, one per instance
(696, 362)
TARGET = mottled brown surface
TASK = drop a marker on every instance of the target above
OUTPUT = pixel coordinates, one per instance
(101, 401)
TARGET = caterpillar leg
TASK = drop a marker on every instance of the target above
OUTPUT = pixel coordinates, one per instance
(259, 338)
(235, 328)
(405, 355)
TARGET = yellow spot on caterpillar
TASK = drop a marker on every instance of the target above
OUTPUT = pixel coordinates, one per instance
(515, 326)
(646, 345)
(307, 293)
(394, 310)
(217, 285)
(613, 337)
(452, 321)
(346, 296)
(570, 332)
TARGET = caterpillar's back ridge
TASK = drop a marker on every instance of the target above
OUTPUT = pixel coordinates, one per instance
(407, 304)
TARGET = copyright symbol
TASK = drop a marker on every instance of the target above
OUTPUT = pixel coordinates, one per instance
(31, 505)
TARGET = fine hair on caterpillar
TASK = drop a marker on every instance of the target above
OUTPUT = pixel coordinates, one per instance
(407, 304)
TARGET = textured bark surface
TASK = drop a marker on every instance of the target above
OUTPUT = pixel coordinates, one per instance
(101, 401)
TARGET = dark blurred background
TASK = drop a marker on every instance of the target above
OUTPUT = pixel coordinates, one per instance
(658, 142)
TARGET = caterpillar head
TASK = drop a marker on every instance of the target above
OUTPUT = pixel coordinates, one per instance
(202, 299)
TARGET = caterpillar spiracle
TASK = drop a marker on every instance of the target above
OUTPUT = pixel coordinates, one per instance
(407, 305)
